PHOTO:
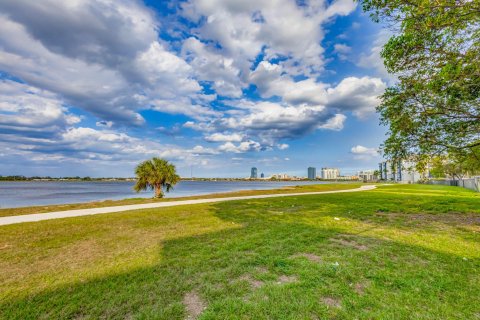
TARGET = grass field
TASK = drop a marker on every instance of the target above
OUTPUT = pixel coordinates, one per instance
(397, 252)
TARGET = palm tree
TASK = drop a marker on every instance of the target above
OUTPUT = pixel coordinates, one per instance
(156, 174)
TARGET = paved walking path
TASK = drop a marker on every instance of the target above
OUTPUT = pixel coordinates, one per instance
(85, 212)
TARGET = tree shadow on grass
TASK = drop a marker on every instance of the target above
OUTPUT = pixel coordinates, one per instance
(385, 279)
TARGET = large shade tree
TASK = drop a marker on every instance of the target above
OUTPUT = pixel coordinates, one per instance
(434, 107)
(156, 174)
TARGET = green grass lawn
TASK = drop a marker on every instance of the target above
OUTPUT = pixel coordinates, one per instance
(397, 252)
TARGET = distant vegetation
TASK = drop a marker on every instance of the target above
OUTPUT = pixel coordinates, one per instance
(77, 178)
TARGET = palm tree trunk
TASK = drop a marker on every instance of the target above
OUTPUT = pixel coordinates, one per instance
(158, 191)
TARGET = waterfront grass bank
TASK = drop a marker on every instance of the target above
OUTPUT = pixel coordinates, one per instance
(131, 201)
(400, 251)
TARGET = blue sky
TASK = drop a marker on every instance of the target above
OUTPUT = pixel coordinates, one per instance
(92, 87)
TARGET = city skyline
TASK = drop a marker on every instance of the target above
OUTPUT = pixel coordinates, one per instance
(311, 173)
(216, 86)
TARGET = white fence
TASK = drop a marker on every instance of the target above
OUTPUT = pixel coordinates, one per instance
(472, 183)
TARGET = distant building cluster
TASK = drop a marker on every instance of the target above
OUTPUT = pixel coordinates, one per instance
(367, 175)
(325, 174)
(334, 174)
(277, 176)
(281, 176)
(399, 171)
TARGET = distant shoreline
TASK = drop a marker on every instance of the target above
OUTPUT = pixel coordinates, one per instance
(87, 179)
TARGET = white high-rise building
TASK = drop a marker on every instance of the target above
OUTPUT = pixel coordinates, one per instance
(330, 173)
(366, 175)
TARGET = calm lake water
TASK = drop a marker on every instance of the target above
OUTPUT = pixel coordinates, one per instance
(32, 193)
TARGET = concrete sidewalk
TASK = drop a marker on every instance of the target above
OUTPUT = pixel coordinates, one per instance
(85, 212)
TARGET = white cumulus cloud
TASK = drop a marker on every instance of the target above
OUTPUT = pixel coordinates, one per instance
(220, 137)
(361, 152)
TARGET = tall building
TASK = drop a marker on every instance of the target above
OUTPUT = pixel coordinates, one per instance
(330, 173)
(312, 173)
(262, 175)
(401, 171)
(253, 173)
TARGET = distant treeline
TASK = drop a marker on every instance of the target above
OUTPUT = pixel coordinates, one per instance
(47, 178)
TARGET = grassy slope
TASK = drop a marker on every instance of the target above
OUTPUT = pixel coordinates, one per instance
(398, 252)
(109, 203)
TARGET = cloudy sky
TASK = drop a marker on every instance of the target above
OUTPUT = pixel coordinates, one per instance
(91, 87)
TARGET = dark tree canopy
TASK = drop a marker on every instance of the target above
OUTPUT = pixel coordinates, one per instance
(434, 108)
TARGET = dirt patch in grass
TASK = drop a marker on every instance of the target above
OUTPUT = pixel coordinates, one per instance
(309, 256)
(359, 288)
(331, 302)
(254, 283)
(347, 241)
(193, 304)
(286, 279)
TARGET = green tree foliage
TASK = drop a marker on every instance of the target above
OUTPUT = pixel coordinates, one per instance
(454, 165)
(459, 165)
(434, 108)
(13, 178)
(437, 169)
(156, 174)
